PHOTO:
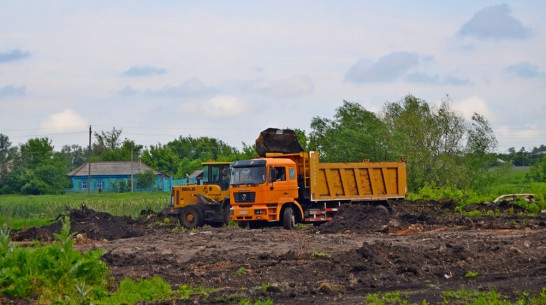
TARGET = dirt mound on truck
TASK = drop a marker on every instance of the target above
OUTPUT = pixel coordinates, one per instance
(91, 224)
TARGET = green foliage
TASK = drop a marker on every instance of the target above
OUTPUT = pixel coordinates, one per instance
(321, 254)
(354, 134)
(131, 292)
(462, 197)
(36, 169)
(145, 180)
(26, 211)
(241, 271)
(380, 298)
(537, 172)
(184, 155)
(471, 274)
(53, 271)
(474, 297)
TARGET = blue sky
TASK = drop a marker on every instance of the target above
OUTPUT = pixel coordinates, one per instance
(229, 69)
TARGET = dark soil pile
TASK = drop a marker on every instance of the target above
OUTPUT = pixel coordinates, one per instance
(95, 225)
(358, 218)
(404, 216)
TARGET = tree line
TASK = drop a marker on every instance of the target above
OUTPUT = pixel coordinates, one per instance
(440, 146)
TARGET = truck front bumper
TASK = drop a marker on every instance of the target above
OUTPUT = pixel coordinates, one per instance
(254, 212)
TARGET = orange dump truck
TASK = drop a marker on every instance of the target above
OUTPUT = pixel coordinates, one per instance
(296, 187)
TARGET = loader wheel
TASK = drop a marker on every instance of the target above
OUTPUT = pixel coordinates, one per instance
(288, 219)
(191, 217)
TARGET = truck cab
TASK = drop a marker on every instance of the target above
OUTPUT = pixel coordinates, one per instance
(264, 190)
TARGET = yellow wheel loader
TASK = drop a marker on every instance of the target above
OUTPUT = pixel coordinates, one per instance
(204, 202)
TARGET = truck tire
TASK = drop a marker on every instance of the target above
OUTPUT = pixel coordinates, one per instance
(288, 219)
(191, 217)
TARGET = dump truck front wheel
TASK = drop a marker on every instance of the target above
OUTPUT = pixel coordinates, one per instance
(288, 218)
(191, 217)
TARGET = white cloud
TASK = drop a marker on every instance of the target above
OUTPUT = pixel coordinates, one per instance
(65, 121)
(220, 106)
(471, 105)
(223, 107)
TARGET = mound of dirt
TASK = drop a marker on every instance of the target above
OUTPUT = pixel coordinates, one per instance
(423, 215)
(358, 218)
(95, 225)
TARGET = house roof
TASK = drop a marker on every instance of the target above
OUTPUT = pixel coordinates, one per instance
(196, 173)
(111, 168)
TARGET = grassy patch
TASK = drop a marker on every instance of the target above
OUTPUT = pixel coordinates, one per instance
(59, 274)
(20, 211)
(511, 181)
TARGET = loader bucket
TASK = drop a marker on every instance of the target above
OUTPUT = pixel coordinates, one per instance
(277, 140)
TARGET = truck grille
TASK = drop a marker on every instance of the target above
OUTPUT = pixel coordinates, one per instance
(244, 197)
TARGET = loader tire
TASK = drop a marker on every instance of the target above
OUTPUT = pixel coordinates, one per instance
(288, 219)
(191, 217)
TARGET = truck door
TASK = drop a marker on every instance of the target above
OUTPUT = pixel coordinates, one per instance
(282, 185)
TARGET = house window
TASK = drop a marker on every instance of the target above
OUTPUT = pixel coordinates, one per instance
(84, 185)
(99, 184)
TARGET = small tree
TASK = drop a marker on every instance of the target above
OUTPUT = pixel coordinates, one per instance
(537, 172)
(145, 180)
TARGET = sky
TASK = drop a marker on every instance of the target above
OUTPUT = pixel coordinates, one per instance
(162, 69)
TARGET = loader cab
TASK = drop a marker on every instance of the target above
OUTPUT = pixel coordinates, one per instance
(217, 173)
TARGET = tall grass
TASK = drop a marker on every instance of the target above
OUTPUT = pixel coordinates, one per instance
(20, 211)
(507, 181)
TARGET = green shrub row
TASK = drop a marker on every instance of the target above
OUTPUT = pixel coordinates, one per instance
(59, 274)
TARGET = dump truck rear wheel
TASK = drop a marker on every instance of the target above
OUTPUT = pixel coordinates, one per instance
(191, 217)
(288, 218)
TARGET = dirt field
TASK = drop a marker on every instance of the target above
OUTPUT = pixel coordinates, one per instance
(420, 249)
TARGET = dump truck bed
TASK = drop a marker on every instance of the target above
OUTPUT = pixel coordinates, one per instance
(356, 181)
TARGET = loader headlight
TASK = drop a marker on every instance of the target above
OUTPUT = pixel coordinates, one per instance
(259, 212)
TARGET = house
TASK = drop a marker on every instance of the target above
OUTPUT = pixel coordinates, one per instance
(114, 176)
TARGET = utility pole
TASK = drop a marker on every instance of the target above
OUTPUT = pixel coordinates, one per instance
(132, 188)
(89, 165)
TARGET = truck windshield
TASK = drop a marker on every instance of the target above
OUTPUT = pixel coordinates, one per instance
(248, 175)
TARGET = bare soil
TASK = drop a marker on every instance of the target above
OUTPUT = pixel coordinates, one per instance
(420, 249)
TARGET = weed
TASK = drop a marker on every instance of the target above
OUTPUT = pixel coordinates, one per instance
(380, 298)
(299, 226)
(471, 274)
(241, 271)
(321, 254)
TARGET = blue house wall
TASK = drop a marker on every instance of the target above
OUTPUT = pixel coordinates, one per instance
(112, 183)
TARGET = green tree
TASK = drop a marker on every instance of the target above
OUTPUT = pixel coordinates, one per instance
(354, 134)
(109, 147)
(184, 155)
(431, 138)
(145, 180)
(537, 172)
(162, 158)
(73, 155)
(7, 153)
(37, 169)
(479, 147)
